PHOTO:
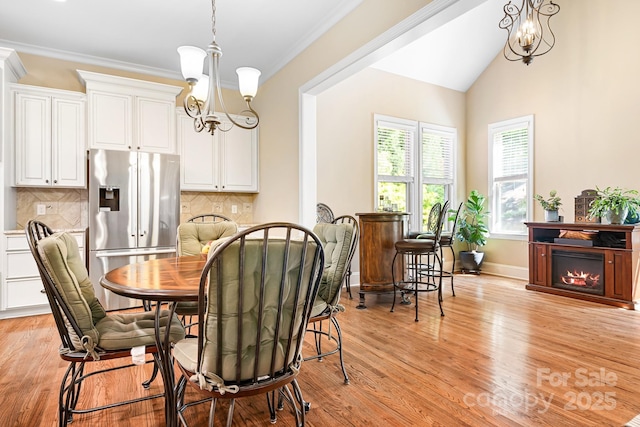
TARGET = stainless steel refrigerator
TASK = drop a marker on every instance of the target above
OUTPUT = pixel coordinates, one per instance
(134, 211)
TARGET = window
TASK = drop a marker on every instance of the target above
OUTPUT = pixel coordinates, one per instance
(510, 169)
(403, 147)
(437, 166)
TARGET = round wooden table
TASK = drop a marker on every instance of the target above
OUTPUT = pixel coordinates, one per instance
(160, 280)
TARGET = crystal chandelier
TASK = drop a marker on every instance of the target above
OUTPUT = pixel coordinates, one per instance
(529, 32)
(200, 102)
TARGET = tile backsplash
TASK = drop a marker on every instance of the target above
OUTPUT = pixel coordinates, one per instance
(67, 208)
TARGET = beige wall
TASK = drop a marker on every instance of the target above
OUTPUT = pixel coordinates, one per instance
(584, 95)
(345, 131)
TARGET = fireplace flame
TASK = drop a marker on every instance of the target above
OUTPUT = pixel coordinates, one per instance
(581, 279)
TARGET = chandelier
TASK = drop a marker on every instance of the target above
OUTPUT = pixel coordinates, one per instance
(529, 33)
(200, 102)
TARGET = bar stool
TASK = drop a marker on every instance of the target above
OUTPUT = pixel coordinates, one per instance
(420, 276)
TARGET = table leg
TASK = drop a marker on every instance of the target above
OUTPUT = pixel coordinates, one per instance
(163, 344)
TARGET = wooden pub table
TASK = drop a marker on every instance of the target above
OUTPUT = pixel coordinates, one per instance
(379, 232)
(160, 280)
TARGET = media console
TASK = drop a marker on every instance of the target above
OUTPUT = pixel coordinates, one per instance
(593, 262)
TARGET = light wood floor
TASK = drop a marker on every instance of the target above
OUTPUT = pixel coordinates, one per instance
(502, 356)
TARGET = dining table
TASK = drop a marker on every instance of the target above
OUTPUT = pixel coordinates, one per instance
(160, 281)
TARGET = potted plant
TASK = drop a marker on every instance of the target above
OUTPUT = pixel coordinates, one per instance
(615, 204)
(550, 206)
(473, 231)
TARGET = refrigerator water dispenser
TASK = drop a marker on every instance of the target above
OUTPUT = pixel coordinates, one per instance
(109, 199)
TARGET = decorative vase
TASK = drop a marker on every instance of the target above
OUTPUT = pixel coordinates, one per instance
(551, 216)
(471, 261)
(616, 218)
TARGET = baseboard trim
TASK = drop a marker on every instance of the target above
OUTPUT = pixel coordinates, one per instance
(504, 270)
(495, 269)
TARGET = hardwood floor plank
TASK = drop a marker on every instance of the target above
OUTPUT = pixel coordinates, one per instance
(501, 356)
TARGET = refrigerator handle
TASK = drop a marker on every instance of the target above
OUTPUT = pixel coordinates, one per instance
(133, 181)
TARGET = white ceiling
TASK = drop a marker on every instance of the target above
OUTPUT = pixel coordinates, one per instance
(142, 35)
(455, 54)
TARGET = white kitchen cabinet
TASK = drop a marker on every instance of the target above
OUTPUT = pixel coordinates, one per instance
(225, 162)
(129, 114)
(49, 131)
(22, 292)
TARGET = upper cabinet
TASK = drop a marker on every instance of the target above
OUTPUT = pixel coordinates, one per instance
(128, 114)
(226, 161)
(49, 137)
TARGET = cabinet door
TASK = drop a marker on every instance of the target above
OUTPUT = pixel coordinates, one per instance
(33, 139)
(67, 144)
(239, 159)
(617, 275)
(199, 168)
(155, 125)
(110, 120)
(539, 262)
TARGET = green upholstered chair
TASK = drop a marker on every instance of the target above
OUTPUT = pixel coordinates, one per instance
(88, 333)
(339, 242)
(256, 295)
(193, 237)
(348, 219)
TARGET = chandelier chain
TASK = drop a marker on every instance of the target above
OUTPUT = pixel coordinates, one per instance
(213, 19)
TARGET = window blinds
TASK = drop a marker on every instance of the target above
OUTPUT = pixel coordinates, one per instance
(437, 156)
(511, 153)
(395, 148)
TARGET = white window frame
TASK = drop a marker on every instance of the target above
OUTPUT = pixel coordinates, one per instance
(502, 126)
(414, 182)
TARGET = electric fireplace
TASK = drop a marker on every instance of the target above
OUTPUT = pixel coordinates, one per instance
(578, 271)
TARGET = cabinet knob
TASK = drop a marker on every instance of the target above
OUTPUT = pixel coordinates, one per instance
(542, 254)
(46, 180)
(129, 147)
(42, 291)
(55, 181)
(610, 262)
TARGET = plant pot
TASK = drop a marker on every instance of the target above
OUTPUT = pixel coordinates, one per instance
(471, 261)
(616, 218)
(551, 216)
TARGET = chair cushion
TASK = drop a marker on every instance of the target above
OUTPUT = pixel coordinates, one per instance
(185, 351)
(126, 330)
(336, 242)
(194, 236)
(61, 258)
(114, 331)
(416, 246)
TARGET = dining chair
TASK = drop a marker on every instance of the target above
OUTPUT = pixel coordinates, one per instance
(196, 236)
(420, 275)
(88, 334)
(348, 219)
(256, 294)
(339, 243)
(324, 213)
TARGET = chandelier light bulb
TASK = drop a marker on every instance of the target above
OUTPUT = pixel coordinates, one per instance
(248, 81)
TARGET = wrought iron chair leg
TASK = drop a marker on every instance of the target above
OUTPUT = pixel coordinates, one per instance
(393, 279)
(339, 332)
(453, 268)
(415, 280)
